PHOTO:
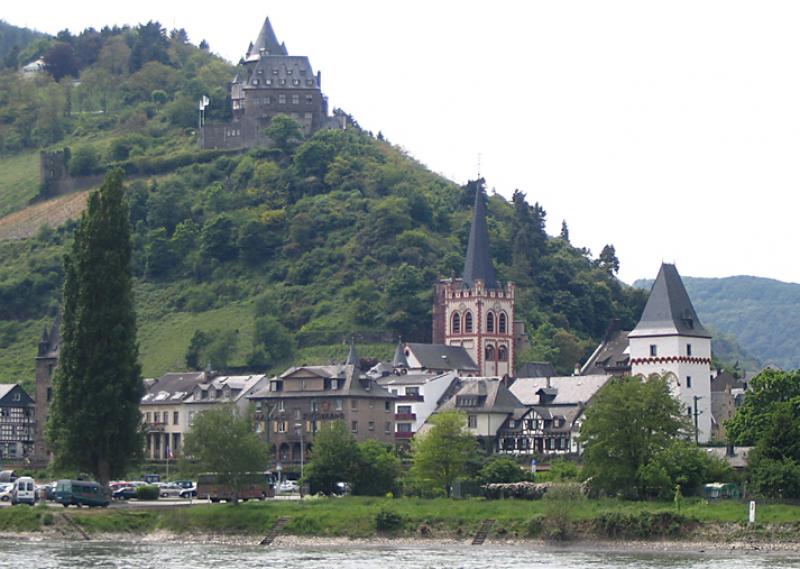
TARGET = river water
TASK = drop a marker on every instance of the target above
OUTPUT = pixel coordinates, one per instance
(44, 555)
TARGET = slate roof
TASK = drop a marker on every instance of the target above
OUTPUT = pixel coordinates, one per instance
(570, 390)
(492, 397)
(440, 356)
(173, 388)
(478, 263)
(283, 72)
(50, 340)
(267, 40)
(5, 389)
(399, 360)
(612, 355)
(410, 378)
(353, 386)
(669, 310)
(535, 369)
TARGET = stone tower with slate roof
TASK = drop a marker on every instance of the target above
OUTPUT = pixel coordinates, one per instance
(670, 340)
(46, 362)
(273, 83)
(476, 311)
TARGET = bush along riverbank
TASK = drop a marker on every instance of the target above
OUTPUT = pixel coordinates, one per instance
(556, 520)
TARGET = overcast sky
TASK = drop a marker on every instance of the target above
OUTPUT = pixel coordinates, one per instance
(669, 129)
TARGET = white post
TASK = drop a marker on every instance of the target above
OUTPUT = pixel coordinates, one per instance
(752, 512)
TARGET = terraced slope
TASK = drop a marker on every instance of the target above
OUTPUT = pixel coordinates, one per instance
(25, 223)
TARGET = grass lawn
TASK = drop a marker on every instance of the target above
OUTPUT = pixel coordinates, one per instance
(355, 516)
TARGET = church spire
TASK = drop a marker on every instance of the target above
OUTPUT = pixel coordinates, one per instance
(268, 41)
(478, 264)
(352, 356)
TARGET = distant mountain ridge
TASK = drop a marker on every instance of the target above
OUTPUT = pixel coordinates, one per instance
(762, 314)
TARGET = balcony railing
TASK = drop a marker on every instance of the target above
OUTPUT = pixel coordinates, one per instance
(410, 398)
(403, 434)
(405, 416)
(156, 427)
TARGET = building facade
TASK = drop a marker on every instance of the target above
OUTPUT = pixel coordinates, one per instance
(17, 424)
(273, 83)
(304, 400)
(476, 312)
(669, 340)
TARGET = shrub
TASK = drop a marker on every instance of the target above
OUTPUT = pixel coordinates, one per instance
(84, 161)
(560, 502)
(147, 492)
(518, 490)
(388, 520)
(535, 525)
(640, 525)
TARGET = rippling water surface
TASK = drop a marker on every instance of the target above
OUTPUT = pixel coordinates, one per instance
(184, 556)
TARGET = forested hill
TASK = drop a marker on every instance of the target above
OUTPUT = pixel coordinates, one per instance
(762, 314)
(16, 44)
(268, 257)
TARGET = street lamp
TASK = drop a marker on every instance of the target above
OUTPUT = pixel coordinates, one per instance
(299, 427)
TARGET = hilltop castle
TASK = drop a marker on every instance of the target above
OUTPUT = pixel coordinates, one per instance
(273, 83)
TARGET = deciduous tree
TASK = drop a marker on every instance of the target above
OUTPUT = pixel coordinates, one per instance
(222, 441)
(441, 455)
(630, 421)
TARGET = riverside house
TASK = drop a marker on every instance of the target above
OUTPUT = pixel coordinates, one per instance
(17, 423)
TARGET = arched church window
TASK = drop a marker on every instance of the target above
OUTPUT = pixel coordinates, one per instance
(502, 325)
(502, 354)
(489, 353)
(468, 322)
(456, 327)
(490, 322)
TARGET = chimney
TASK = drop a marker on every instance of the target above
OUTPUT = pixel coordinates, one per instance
(577, 370)
(547, 383)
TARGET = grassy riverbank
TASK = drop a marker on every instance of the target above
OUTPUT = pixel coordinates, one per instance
(354, 517)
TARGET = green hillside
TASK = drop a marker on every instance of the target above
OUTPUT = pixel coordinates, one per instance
(272, 256)
(761, 314)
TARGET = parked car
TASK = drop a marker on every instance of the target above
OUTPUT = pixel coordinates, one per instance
(288, 486)
(24, 491)
(189, 492)
(184, 483)
(5, 491)
(169, 490)
(124, 493)
(81, 493)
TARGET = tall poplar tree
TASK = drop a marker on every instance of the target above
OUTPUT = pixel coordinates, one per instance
(94, 422)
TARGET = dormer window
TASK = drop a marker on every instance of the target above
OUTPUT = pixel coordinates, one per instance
(255, 81)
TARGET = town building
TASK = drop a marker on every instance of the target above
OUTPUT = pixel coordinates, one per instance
(418, 396)
(174, 400)
(46, 363)
(476, 311)
(17, 424)
(272, 83)
(612, 356)
(670, 340)
(440, 358)
(304, 400)
(487, 404)
(554, 414)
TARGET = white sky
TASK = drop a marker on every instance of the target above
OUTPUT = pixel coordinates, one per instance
(668, 129)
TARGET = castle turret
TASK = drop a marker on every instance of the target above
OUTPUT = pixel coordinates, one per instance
(670, 340)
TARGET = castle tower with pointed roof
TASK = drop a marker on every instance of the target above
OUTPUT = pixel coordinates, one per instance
(670, 340)
(273, 83)
(476, 311)
(46, 362)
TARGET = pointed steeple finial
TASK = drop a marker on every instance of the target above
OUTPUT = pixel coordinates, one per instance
(352, 356)
(399, 360)
(478, 264)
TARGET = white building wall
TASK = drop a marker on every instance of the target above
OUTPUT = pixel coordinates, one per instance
(672, 357)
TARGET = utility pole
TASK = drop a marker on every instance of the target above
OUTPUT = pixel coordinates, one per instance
(696, 415)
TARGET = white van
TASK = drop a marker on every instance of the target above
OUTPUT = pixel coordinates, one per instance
(24, 491)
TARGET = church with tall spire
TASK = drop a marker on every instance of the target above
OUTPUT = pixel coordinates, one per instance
(476, 311)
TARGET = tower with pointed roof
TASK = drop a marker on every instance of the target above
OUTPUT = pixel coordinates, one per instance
(273, 83)
(46, 362)
(476, 311)
(670, 340)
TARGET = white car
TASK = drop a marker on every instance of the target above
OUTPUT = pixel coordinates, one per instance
(169, 490)
(288, 486)
(5, 491)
